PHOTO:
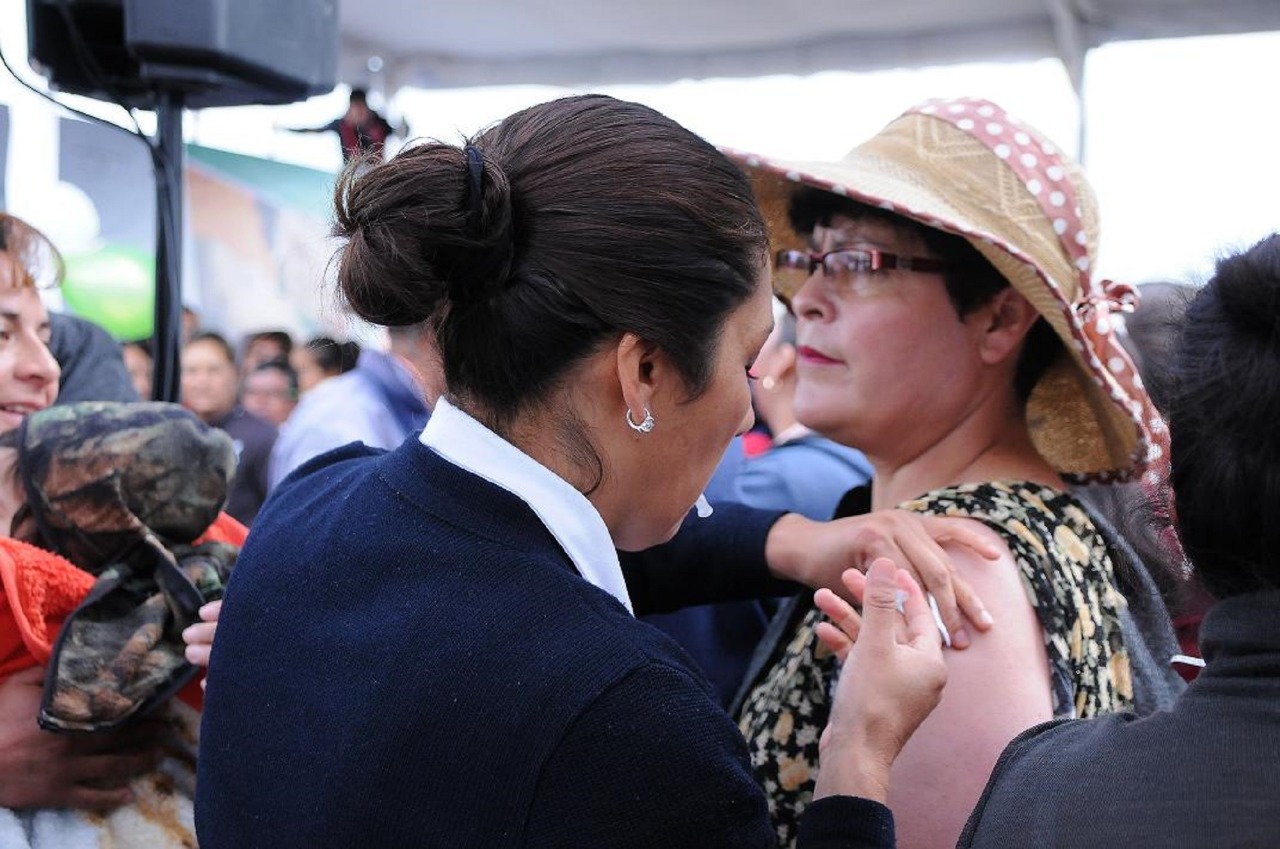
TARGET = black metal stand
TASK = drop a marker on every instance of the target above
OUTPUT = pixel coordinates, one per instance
(169, 192)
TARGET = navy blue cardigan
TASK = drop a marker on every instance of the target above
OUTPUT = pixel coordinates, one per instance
(407, 658)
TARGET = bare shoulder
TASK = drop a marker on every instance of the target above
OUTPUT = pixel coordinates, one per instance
(968, 562)
(996, 688)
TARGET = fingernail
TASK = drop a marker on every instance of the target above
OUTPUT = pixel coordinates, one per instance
(960, 639)
(985, 618)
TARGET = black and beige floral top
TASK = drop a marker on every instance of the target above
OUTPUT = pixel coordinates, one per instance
(1068, 575)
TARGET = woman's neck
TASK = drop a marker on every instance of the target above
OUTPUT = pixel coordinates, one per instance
(985, 446)
(552, 438)
(791, 434)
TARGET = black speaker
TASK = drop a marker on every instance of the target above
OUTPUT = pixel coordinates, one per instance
(213, 52)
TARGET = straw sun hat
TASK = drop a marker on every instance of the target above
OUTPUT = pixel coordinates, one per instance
(966, 167)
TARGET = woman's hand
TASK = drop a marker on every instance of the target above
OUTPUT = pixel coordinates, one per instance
(891, 681)
(40, 769)
(199, 637)
(816, 554)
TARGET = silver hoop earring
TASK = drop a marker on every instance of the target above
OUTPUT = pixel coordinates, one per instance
(645, 426)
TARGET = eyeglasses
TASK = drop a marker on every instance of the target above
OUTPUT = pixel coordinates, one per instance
(843, 265)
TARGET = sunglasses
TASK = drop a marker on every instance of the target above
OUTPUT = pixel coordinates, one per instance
(843, 266)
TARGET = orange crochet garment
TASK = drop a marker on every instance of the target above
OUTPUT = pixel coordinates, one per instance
(39, 589)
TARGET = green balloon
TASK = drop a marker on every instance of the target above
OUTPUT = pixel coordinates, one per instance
(115, 288)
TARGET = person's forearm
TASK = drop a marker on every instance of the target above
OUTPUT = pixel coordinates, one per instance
(849, 769)
(720, 558)
(783, 552)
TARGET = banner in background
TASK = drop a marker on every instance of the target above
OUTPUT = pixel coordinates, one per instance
(256, 235)
(259, 233)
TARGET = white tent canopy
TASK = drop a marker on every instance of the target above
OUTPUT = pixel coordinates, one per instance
(570, 42)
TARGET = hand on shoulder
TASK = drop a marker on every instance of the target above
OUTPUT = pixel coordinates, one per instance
(817, 554)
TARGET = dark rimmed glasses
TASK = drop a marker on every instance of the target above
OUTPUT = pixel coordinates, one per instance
(843, 266)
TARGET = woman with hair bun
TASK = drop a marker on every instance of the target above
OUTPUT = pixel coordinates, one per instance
(435, 646)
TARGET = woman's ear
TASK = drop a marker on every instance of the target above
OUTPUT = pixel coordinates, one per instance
(1006, 319)
(786, 369)
(638, 374)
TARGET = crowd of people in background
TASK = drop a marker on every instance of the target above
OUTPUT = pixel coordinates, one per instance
(253, 393)
(260, 392)
(943, 539)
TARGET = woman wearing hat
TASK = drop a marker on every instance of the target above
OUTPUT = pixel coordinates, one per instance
(950, 328)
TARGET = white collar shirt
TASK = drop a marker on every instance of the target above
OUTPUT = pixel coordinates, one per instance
(567, 514)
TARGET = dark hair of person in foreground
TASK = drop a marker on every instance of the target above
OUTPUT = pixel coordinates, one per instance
(526, 266)
(1223, 413)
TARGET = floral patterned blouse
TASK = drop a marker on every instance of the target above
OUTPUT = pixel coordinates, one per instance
(1068, 575)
